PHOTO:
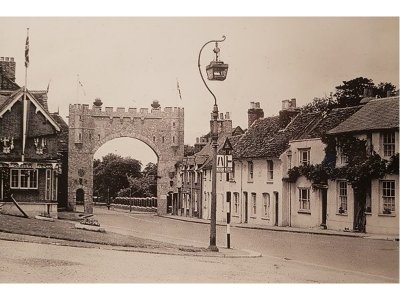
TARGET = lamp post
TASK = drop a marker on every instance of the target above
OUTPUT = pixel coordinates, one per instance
(216, 70)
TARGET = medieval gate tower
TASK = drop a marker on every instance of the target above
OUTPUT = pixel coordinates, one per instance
(161, 129)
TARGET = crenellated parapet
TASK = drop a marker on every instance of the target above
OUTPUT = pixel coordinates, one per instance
(122, 112)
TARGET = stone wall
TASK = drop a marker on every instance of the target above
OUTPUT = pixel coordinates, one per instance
(161, 129)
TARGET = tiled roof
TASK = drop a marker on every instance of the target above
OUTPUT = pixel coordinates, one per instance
(7, 96)
(41, 97)
(208, 150)
(7, 99)
(266, 139)
(376, 114)
(63, 134)
(328, 121)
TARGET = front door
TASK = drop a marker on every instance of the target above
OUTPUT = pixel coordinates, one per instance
(324, 194)
(80, 197)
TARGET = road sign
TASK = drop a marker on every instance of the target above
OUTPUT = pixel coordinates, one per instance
(227, 146)
(224, 163)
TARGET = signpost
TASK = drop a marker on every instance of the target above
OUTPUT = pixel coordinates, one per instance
(225, 165)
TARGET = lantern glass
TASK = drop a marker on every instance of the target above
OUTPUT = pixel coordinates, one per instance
(217, 70)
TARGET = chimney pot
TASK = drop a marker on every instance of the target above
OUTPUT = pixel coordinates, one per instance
(221, 116)
(293, 103)
(257, 104)
(227, 117)
(388, 93)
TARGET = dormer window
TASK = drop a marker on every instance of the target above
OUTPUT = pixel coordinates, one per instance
(304, 156)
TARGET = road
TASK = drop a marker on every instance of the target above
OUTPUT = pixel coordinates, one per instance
(287, 257)
(369, 256)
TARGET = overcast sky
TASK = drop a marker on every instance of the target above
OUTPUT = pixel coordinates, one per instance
(130, 62)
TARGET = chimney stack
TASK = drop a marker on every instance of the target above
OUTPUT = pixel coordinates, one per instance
(288, 112)
(254, 113)
(7, 70)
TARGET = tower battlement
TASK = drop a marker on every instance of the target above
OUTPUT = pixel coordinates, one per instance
(122, 112)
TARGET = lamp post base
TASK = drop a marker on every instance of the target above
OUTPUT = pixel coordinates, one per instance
(213, 248)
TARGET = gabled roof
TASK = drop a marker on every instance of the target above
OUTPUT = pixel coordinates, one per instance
(377, 114)
(63, 135)
(266, 139)
(328, 121)
(16, 96)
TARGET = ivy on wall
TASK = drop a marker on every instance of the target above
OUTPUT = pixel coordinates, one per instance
(362, 165)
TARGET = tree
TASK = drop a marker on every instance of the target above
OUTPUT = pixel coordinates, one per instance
(144, 186)
(112, 174)
(324, 104)
(150, 169)
(352, 91)
(383, 88)
(188, 150)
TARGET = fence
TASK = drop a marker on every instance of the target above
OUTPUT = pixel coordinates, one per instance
(138, 204)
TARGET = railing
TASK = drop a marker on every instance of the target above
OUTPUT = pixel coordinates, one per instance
(138, 204)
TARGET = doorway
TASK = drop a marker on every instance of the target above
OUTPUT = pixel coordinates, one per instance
(324, 195)
(245, 200)
(80, 198)
(169, 203)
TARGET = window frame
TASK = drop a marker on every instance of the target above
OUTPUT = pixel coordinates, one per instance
(48, 185)
(392, 197)
(236, 202)
(29, 185)
(253, 204)
(250, 171)
(342, 197)
(301, 151)
(266, 205)
(388, 139)
(304, 200)
(270, 170)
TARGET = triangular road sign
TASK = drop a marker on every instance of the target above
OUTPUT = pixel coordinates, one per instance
(227, 145)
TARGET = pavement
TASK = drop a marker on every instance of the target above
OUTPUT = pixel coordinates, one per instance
(62, 232)
(319, 231)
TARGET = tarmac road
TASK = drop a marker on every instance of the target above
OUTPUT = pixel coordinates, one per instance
(366, 256)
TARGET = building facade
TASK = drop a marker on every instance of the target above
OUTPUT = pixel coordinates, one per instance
(376, 210)
(33, 148)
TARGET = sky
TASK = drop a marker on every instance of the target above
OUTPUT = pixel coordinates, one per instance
(131, 61)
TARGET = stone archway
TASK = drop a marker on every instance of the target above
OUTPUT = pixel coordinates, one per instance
(89, 129)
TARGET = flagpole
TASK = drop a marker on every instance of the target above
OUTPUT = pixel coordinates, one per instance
(25, 103)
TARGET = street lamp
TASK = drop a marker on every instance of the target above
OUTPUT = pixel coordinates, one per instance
(216, 70)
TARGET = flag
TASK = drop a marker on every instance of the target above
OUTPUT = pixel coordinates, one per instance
(48, 86)
(27, 49)
(179, 90)
(83, 89)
